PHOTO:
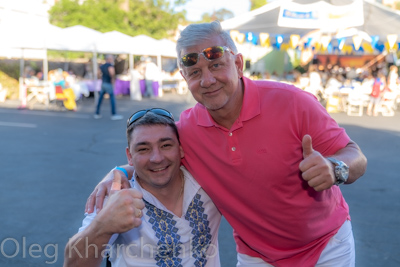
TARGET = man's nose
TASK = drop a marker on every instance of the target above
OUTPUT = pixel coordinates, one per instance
(207, 78)
(156, 155)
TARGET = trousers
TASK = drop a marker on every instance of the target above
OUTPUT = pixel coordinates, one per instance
(339, 251)
(109, 89)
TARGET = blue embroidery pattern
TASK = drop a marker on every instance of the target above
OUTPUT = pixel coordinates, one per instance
(169, 243)
(201, 231)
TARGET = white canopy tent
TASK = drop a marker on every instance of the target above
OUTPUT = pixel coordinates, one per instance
(286, 17)
(19, 40)
(113, 42)
(168, 48)
(76, 38)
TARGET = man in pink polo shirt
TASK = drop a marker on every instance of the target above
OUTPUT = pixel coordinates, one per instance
(269, 156)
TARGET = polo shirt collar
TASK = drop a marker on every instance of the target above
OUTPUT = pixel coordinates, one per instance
(251, 106)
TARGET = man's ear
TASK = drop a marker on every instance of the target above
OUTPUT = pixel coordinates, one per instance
(129, 156)
(239, 64)
(182, 153)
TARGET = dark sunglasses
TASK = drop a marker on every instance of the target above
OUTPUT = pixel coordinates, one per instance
(139, 114)
(210, 53)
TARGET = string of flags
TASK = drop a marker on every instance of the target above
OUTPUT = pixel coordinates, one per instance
(324, 43)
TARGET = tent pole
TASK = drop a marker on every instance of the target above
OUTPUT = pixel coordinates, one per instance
(131, 62)
(94, 62)
(159, 63)
(21, 76)
(45, 66)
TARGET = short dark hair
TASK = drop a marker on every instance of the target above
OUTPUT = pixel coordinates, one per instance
(149, 119)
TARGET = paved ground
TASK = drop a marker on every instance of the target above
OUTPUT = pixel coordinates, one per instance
(52, 160)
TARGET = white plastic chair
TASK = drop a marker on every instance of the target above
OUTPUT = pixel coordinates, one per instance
(387, 104)
(355, 104)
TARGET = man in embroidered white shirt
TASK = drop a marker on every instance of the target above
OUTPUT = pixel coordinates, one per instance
(165, 219)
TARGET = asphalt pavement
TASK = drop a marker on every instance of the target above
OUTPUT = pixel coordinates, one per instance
(51, 160)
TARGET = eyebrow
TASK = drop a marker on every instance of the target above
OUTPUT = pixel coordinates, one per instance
(164, 139)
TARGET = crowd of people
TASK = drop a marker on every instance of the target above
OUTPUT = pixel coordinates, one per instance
(378, 87)
(322, 81)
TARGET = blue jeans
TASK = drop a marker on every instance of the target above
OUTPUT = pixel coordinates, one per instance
(109, 89)
(149, 88)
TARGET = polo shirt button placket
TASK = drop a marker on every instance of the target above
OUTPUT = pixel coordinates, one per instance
(233, 146)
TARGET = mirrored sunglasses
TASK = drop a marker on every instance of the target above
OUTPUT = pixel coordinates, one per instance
(210, 53)
(139, 114)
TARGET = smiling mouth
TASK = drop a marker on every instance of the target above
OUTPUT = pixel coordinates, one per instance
(212, 92)
(159, 169)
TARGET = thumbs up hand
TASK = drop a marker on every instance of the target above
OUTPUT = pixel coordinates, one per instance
(123, 210)
(316, 170)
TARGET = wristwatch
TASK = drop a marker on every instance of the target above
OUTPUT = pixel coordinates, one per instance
(341, 171)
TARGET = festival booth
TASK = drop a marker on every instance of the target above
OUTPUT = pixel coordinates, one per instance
(19, 41)
(317, 27)
(354, 34)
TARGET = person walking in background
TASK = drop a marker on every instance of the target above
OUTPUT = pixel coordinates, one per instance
(375, 96)
(393, 79)
(107, 86)
(151, 75)
(134, 90)
(315, 82)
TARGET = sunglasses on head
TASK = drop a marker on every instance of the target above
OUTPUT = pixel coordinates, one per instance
(139, 114)
(209, 53)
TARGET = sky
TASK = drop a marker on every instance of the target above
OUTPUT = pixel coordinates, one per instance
(196, 8)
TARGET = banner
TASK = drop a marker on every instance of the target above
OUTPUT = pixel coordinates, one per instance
(321, 15)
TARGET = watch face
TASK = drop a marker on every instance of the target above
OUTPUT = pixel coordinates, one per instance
(344, 172)
(341, 171)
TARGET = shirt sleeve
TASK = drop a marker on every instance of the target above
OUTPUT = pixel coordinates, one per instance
(89, 217)
(313, 119)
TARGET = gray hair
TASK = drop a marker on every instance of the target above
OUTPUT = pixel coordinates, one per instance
(150, 119)
(195, 33)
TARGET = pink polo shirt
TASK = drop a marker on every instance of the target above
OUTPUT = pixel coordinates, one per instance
(251, 172)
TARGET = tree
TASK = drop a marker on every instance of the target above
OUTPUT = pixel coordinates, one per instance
(155, 18)
(257, 4)
(221, 14)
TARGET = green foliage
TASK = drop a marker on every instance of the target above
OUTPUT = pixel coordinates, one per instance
(155, 18)
(10, 84)
(56, 55)
(257, 4)
(221, 14)
(10, 68)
